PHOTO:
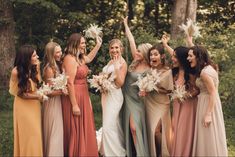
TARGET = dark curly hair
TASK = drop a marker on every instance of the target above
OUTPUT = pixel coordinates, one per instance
(203, 59)
(160, 49)
(25, 69)
(181, 55)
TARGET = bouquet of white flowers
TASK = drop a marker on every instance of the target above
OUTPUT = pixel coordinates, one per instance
(60, 82)
(104, 82)
(179, 93)
(148, 82)
(93, 31)
(43, 90)
(190, 29)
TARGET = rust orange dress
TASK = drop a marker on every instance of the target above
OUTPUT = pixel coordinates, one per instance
(79, 131)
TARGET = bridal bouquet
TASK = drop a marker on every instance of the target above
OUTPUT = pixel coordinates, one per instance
(93, 31)
(190, 29)
(179, 93)
(60, 82)
(43, 90)
(104, 82)
(148, 82)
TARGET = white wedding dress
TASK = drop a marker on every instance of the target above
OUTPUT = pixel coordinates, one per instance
(112, 133)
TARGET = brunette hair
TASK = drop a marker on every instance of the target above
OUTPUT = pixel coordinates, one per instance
(181, 55)
(203, 59)
(25, 69)
(72, 47)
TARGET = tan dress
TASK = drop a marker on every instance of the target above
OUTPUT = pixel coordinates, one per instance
(53, 127)
(158, 109)
(27, 123)
(209, 141)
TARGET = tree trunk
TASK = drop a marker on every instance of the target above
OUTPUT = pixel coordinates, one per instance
(7, 44)
(156, 16)
(130, 9)
(182, 10)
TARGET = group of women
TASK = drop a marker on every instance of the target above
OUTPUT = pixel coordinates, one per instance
(134, 122)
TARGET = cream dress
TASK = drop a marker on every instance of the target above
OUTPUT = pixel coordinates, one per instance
(209, 141)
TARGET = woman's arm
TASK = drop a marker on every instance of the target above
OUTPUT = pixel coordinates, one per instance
(165, 40)
(31, 95)
(130, 37)
(120, 73)
(212, 95)
(189, 41)
(70, 67)
(94, 51)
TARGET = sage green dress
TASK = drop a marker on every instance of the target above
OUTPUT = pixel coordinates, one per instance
(133, 105)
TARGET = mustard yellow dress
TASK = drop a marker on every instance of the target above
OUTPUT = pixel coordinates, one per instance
(27, 122)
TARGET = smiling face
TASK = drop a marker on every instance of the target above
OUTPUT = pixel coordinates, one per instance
(115, 50)
(155, 58)
(175, 61)
(192, 59)
(82, 45)
(34, 58)
(57, 53)
(139, 56)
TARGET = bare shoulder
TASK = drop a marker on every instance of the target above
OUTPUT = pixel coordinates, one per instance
(69, 58)
(48, 72)
(14, 74)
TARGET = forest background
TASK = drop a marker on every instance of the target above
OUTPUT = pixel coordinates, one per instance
(38, 21)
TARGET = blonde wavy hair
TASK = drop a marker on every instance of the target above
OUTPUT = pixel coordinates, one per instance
(49, 57)
(143, 48)
(119, 42)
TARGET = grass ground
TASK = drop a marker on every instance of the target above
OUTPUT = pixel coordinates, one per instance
(6, 127)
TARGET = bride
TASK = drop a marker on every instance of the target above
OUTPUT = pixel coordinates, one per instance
(112, 134)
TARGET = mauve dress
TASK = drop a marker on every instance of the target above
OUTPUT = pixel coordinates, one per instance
(183, 124)
(79, 131)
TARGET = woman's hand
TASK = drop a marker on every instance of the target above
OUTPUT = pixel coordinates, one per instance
(142, 93)
(207, 120)
(189, 40)
(165, 39)
(116, 62)
(98, 40)
(76, 110)
(125, 20)
(65, 91)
